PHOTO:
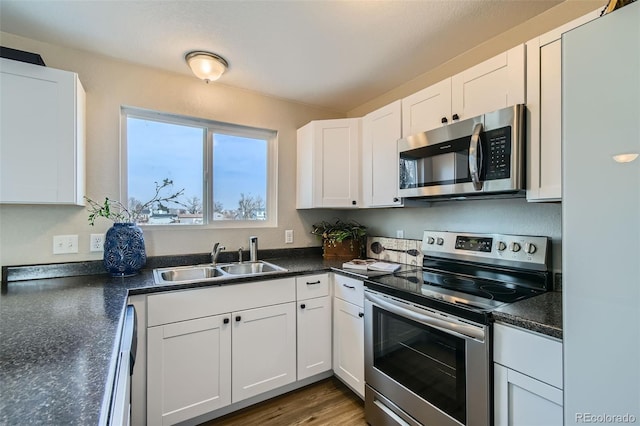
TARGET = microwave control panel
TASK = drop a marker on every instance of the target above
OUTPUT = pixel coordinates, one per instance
(497, 164)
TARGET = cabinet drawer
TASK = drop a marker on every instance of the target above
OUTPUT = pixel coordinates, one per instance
(310, 286)
(182, 305)
(349, 289)
(529, 353)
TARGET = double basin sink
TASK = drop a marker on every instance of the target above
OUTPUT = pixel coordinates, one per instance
(213, 272)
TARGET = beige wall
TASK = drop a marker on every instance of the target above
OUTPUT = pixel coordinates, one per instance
(552, 18)
(26, 232)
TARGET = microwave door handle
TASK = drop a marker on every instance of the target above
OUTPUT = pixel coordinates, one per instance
(475, 153)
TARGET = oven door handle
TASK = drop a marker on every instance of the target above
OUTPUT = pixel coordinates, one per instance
(452, 326)
(475, 152)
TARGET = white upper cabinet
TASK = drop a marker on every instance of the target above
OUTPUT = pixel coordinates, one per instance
(42, 135)
(381, 130)
(426, 109)
(544, 105)
(328, 166)
(493, 84)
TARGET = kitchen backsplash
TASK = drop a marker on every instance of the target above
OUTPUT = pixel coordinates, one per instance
(397, 250)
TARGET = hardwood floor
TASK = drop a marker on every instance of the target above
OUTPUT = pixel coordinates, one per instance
(328, 402)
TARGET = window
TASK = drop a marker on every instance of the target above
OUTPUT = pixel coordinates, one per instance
(208, 173)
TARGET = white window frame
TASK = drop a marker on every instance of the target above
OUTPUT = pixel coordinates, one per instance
(212, 127)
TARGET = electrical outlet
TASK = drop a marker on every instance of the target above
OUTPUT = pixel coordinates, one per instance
(96, 242)
(64, 244)
(399, 233)
(288, 236)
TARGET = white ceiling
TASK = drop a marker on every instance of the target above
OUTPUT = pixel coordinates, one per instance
(335, 54)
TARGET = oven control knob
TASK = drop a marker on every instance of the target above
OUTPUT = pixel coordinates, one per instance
(440, 241)
(430, 240)
(501, 246)
(530, 248)
(515, 247)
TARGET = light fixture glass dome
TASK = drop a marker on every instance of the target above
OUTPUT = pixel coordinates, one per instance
(206, 65)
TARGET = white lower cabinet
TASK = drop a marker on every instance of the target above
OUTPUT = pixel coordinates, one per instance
(264, 350)
(188, 369)
(527, 378)
(522, 400)
(314, 325)
(348, 332)
(211, 347)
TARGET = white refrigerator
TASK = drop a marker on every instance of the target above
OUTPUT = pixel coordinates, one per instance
(601, 219)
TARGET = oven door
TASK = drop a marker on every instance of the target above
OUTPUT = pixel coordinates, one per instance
(425, 366)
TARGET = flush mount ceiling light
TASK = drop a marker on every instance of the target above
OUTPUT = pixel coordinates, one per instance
(206, 65)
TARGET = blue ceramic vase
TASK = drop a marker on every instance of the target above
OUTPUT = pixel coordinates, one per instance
(124, 253)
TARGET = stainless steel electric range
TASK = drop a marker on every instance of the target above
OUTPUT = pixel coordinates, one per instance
(428, 330)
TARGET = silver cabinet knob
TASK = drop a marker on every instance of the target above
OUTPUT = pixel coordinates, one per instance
(530, 248)
(515, 247)
(501, 246)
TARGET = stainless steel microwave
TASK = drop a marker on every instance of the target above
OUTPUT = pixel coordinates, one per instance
(480, 156)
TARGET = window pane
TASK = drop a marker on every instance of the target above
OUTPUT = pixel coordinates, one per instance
(239, 178)
(159, 151)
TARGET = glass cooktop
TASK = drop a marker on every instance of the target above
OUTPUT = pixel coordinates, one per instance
(479, 293)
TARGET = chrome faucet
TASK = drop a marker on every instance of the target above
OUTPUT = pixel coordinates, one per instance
(217, 248)
(240, 254)
(253, 249)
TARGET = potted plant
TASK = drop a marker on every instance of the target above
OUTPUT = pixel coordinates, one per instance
(124, 251)
(340, 239)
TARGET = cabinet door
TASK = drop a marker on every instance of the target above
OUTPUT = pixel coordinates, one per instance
(496, 83)
(544, 95)
(522, 400)
(381, 130)
(425, 110)
(337, 163)
(348, 344)
(41, 135)
(544, 105)
(314, 336)
(264, 349)
(188, 369)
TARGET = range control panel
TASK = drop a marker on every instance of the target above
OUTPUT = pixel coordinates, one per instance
(517, 250)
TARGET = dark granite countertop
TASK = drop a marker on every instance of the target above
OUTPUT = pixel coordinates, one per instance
(57, 337)
(542, 314)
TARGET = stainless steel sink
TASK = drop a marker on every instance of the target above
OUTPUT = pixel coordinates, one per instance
(204, 273)
(250, 268)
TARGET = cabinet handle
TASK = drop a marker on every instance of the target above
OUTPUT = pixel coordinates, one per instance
(354, 202)
(455, 117)
(444, 120)
(396, 199)
(312, 283)
(225, 321)
(302, 306)
(360, 314)
(349, 286)
(238, 318)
